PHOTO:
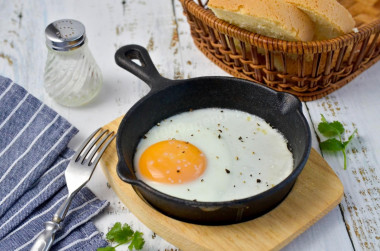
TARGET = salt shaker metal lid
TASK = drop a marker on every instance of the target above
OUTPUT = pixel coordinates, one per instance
(65, 35)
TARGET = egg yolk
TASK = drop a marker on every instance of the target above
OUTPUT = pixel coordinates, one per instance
(172, 161)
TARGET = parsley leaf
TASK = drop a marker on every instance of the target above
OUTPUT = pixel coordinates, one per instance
(332, 130)
(123, 234)
(120, 234)
(332, 145)
(349, 138)
(137, 241)
(323, 119)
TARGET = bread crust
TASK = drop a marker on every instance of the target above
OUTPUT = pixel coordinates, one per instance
(327, 15)
(287, 20)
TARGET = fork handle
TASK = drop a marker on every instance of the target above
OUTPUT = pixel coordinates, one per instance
(45, 240)
(62, 210)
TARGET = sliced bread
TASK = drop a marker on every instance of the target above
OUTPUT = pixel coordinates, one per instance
(272, 18)
(331, 19)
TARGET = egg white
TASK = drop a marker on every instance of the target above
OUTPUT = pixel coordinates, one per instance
(245, 155)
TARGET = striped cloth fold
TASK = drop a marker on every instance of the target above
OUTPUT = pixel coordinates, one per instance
(47, 186)
(33, 158)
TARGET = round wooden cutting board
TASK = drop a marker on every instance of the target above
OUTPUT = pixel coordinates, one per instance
(317, 191)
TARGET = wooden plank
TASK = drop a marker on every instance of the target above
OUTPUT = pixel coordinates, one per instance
(193, 62)
(323, 235)
(22, 43)
(356, 106)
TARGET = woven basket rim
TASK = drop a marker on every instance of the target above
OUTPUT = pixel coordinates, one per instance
(273, 44)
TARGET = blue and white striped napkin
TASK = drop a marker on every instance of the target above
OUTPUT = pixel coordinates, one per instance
(33, 158)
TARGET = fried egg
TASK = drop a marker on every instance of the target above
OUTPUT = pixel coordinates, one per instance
(213, 155)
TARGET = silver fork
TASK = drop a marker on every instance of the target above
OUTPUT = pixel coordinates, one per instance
(77, 174)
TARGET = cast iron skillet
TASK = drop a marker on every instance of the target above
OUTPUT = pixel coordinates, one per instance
(169, 97)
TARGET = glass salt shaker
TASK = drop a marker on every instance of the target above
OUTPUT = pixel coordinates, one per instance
(72, 77)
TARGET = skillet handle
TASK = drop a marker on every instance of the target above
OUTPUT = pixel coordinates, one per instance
(288, 103)
(147, 72)
(125, 173)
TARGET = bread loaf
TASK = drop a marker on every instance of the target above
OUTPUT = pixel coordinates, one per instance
(367, 2)
(272, 18)
(331, 19)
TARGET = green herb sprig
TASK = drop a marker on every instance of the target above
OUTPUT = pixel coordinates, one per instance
(332, 130)
(123, 234)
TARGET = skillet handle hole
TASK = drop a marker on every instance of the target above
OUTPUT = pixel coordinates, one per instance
(138, 62)
(135, 58)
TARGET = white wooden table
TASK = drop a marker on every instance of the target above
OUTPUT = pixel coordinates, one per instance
(161, 27)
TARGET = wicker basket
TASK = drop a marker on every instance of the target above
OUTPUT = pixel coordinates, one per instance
(309, 70)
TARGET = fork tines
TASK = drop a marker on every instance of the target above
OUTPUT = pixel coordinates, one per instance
(99, 139)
